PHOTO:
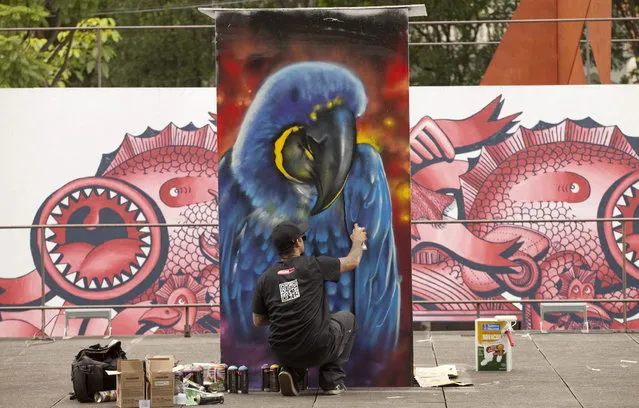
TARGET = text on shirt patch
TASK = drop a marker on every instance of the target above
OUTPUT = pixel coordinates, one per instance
(289, 291)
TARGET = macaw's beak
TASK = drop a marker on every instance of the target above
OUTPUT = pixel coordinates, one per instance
(331, 139)
(321, 153)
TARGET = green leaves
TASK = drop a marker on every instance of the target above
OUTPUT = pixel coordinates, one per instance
(22, 16)
(49, 58)
(456, 64)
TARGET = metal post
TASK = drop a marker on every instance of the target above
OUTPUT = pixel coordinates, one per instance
(587, 54)
(43, 268)
(477, 305)
(187, 326)
(623, 276)
(99, 39)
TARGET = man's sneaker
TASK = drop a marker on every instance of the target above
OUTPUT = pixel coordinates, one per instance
(339, 389)
(287, 384)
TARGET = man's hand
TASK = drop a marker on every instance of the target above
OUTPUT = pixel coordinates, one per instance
(358, 238)
(359, 234)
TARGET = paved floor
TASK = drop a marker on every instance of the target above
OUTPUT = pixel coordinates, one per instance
(552, 370)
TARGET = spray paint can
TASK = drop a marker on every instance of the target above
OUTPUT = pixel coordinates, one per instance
(221, 377)
(179, 385)
(231, 374)
(209, 374)
(266, 378)
(302, 383)
(243, 380)
(275, 381)
(225, 376)
(210, 399)
(105, 396)
(199, 375)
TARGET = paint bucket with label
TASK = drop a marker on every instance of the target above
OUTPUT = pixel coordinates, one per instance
(493, 343)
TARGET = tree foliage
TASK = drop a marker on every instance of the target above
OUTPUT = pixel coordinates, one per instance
(186, 57)
(628, 29)
(162, 58)
(52, 58)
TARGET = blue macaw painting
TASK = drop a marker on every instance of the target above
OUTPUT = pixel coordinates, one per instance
(319, 138)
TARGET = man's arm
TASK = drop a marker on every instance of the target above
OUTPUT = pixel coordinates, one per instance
(260, 312)
(260, 320)
(351, 261)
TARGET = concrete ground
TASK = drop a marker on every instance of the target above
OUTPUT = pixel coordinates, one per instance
(552, 370)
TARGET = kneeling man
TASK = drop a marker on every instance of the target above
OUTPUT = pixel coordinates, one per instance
(289, 296)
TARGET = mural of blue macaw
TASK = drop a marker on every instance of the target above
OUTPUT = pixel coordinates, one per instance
(296, 158)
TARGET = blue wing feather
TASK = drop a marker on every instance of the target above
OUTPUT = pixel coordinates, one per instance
(376, 282)
(245, 253)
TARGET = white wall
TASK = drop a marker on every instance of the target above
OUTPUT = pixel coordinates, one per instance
(53, 136)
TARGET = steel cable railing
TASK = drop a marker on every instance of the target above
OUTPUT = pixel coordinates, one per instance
(43, 307)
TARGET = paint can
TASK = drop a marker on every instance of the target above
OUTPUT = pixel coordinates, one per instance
(193, 385)
(199, 375)
(210, 399)
(302, 383)
(266, 378)
(493, 345)
(231, 374)
(221, 377)
(275, 381)
(188, 374)
(179, 385)
(209, 386)
(243, 380)
(105, 396)
(210, 373)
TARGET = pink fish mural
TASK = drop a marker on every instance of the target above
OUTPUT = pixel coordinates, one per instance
(564, 171)
(167, 176)
(573, 169)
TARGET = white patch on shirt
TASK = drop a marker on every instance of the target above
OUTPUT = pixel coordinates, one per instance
(289, 291)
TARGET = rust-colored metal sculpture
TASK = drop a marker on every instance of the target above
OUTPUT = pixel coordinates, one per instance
(548, 53)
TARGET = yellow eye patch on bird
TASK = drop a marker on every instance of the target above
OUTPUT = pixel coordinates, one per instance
(285, 153)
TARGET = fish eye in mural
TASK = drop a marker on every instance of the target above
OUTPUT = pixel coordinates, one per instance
(167, 176)
(569, 170)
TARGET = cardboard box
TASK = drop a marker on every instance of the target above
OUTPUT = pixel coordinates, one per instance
(130, 383)
(160, 381)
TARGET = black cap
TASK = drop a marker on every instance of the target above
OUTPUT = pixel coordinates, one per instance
(285, 234)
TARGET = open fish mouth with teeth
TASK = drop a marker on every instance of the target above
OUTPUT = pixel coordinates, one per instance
(622, 202)
(111, 264)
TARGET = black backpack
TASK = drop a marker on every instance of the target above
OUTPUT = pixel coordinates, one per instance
(88, 370)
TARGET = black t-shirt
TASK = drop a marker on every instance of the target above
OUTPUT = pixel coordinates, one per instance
(291, 294)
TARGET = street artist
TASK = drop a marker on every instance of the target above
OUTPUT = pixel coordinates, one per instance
(289, 296)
